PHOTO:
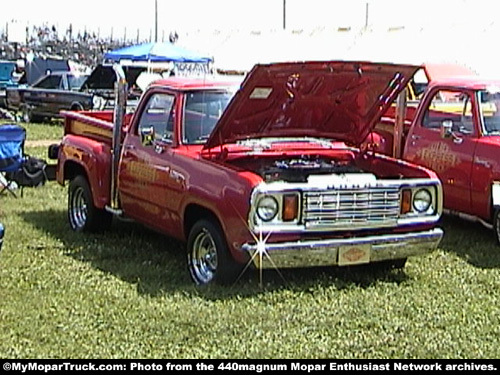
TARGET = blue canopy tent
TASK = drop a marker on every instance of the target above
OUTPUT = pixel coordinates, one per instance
(156, 52)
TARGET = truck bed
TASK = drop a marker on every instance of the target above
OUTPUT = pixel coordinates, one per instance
(97, 125)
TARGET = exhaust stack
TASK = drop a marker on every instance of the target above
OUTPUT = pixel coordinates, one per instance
(119, 113)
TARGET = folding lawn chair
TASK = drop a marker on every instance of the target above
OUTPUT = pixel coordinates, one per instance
(12, 139)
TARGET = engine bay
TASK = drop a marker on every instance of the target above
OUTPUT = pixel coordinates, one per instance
(298, 168)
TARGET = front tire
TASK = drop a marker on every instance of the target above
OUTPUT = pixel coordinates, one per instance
(496, 225)
(28, 116)
(83, 216)
(208, 257)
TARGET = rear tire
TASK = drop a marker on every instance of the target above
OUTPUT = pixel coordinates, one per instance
(77, 107)
(83, 216)
(28, 116)
(208, 257)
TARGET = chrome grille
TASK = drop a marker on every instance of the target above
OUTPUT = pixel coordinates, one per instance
(351, 208)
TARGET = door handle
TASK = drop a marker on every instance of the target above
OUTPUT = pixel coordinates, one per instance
(483, 162)
(127, 149)
(416, 137)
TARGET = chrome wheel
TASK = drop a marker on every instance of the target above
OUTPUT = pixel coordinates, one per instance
(203, 257)
(83, 216)
(208, 258)
(78, 209)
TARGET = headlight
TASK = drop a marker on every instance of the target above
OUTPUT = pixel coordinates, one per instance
(422, 200)
(267, 208)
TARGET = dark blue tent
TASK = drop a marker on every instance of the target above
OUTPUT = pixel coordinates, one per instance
(39, 66)
(156, 52)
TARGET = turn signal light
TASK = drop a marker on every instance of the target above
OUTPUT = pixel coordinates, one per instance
(406, 201)
(290, 207)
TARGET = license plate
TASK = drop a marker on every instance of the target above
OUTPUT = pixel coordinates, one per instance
(354, 254)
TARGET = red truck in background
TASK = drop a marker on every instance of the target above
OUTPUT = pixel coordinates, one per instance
(415, 90)
(274, 180)
(455, 131)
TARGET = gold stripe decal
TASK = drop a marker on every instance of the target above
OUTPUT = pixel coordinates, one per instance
(81, 128)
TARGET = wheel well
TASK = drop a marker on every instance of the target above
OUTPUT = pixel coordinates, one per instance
(72, 169)
(194, 213)
(76, 107)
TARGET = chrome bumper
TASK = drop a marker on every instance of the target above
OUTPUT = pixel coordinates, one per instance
(345, 251)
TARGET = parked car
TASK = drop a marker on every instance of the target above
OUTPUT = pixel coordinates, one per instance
(34, 68)
(100, 84)
(271, 176)
(454, 129)
(66, 90)
(7, 69)
(49, 95)
(456, 132)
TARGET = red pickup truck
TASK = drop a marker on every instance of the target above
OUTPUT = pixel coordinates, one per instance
(274, 180)
(453, 129)
(456, 133)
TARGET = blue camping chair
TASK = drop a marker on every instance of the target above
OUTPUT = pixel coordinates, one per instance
(12, 139)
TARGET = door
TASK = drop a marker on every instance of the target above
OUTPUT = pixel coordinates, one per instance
(41, 95)
(145, 168)
(443, 138)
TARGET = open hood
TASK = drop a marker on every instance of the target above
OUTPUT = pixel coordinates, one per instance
(338, 100)
(103, 77)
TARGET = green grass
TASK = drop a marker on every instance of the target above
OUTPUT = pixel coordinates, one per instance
(127, 294)
(37, 132)
(52, 131)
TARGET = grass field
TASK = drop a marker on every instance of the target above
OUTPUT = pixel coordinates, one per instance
(127, 294)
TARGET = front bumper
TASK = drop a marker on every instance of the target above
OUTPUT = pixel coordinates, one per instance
(344, 251)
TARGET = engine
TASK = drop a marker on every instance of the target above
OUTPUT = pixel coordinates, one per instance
(299, 169)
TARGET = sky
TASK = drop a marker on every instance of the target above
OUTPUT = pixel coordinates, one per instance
(456, 30)
(127, 18)
(172, 15)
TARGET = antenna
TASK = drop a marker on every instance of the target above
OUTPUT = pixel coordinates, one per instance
(156, 21)
(284, 14)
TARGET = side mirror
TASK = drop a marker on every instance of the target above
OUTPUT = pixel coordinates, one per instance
(147, 136)
(446, 129)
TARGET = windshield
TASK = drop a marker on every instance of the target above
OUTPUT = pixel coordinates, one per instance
(76, 81)
(490, 111)
(202, 111)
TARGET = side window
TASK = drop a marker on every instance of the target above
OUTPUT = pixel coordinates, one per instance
(417, 85)
(157, 119)
(454, 106)
(75, 81)
(490, 111)
(50, 82)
